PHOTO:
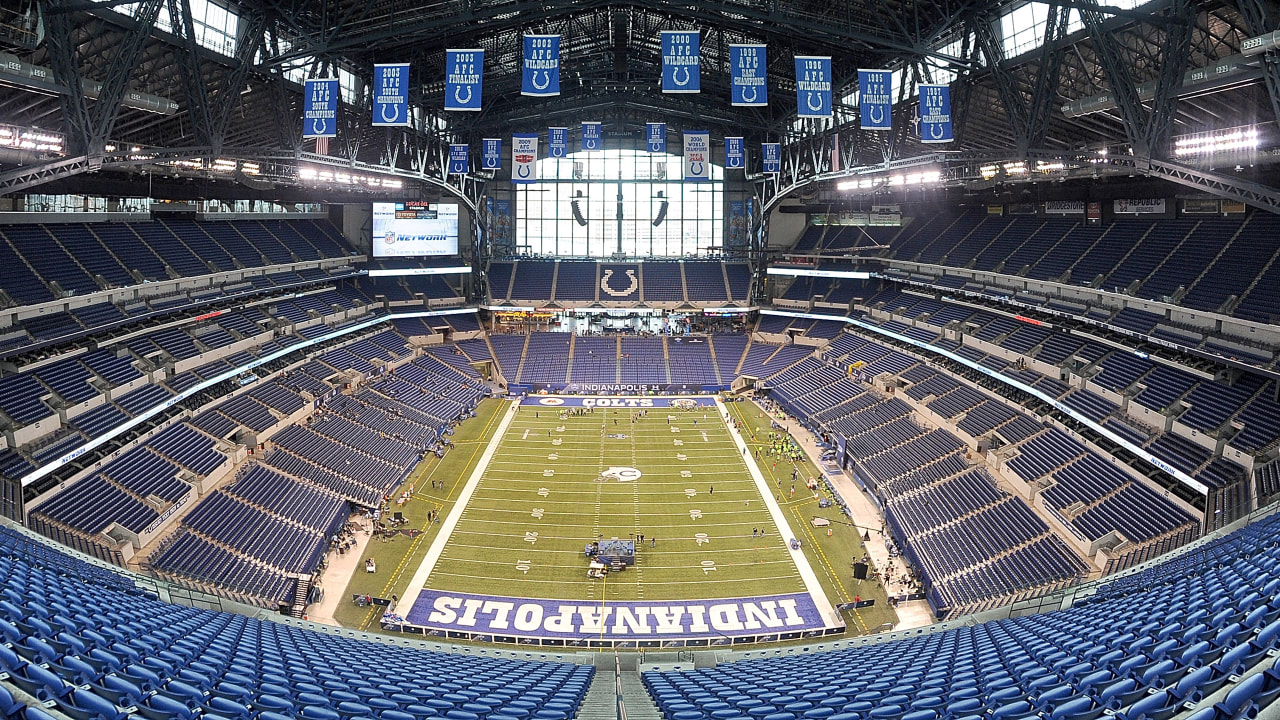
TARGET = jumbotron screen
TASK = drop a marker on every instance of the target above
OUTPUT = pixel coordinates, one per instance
(412, 229)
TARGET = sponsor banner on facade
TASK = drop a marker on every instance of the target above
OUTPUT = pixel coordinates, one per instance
(540, 76)
(1093, 211)
(681, 61)
(391, 95)
(1232, 207)
(463, 79)
(1064, 207)
(643, 620)
(1201, 206)
(1144, 206)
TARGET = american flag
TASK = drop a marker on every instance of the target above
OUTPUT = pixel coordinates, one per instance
(322, 146)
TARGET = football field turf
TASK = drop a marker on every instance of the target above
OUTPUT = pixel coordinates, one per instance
(558, 480)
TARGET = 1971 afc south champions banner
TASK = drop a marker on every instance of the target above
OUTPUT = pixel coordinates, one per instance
(681, 61)
(541, 66)
(463, 79)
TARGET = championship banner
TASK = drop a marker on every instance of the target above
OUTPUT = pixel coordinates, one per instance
(734, 157)
(681, 61)
(935, 114)
(557, 142)
(591, 136)
(771, 157)
(655, 137)
(459, 159)
(524, 156)
(749, 71)
(320, 108)
(491, 155)
(875, 99)
(813, 86)
(391, 95)
(697, 156)
(541, 67)
(463, 79)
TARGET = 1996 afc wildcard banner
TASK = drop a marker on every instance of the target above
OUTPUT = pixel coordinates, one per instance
(541, 67)
(681, 61)
(748, 81)
(697, 156)
(463, 79)
(391, 95)
(813, 86)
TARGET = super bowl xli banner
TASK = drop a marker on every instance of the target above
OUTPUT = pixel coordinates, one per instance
(491, 154)
(681, 61)
(591, 136)
(875, 99)
(734, 157)
(391, 95)
(747, 82)
(320, 108)
(557, 142)
(771, 157)
(524, 158)
(459, 162)
(935, 114)
(541, 69)
(813, 86)
(463, 79)
(697, 156)
(655, 137)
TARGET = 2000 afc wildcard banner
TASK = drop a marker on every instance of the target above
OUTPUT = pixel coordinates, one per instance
(681, 61)
(524, 159)
(541, 75)
(749, 73)
(491, 154)
(655, 137)
(320, 108)
(463, 79)
(697, 156)
(813, 86)
(391, 95)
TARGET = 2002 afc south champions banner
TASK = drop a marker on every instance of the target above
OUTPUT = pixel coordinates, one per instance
(681, 61)
(320, 108)
(391, 95)
(541, 67)
(463, 79)
(524, 159)
(697, 156)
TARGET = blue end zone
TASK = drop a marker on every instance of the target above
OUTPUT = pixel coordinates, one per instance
(617, 402)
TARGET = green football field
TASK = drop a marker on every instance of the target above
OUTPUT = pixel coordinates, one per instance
(548, 490)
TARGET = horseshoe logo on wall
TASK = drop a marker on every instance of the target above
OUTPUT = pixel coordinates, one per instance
(631, 287)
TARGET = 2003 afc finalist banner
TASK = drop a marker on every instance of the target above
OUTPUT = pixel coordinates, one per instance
(436, 610)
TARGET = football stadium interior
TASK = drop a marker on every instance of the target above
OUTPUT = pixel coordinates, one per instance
(639, 360)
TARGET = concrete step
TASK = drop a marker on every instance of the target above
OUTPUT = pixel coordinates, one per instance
(598, 704)
(636, 698)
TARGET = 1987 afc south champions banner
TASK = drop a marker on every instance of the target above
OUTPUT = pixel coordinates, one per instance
(541, 67)
(697, 156)
(463, 79)
(391, 95)
(320, 108)
(681, 61)
(524, 158)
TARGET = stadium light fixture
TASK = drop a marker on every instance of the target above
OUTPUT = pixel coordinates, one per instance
(1216, 142)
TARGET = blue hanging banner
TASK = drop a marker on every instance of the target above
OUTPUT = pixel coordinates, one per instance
(771, 157)
(557, 142)
(524, 159)
(697, 156)
(391, 95)
(541, 76)
(320, 108)
(734, 157)
(935, 114)
(591, 136)
(655, 137)
(813, 86)
(748, 78)
(463, 79)
(491, 155)
(681, 61)
(459, 159)
(875, 99)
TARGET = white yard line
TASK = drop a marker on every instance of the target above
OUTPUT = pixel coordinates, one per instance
(810, 578)
(419, 579)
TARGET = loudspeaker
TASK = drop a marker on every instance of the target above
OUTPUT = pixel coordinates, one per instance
(859, 571)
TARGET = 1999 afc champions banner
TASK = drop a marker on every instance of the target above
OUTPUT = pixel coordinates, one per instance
(463, 79)
(734, 157)
(813, 86)
(875, 99)
(320, 108)
(935, 114)
(697, 156)
(459, 159)
(749, 73)
(557, 142)
(541, 67)
(591, 136)
(491, 154)
(391, 95)
(524, 158)
(681, 61)
(655, 137)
